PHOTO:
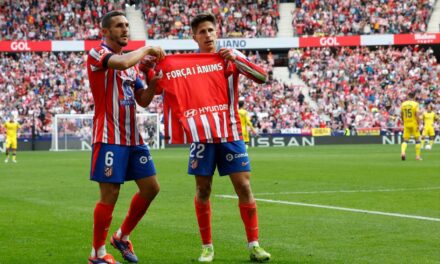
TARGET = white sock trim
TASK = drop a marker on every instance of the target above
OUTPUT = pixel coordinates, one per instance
(207, 245)
(100, 253)
(253, 244)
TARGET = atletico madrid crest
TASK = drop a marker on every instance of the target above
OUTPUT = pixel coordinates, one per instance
(108, 171)
(194, 164)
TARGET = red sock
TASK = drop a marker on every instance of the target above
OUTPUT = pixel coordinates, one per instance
(203, 212)
(137, 210)
(102, 219)
(249, 216)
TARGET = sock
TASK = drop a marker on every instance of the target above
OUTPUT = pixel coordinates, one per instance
(13, 157)
(102, 220)
(418, 149)
(100, 253)
(253, 244)
(404, 145)
(203, 213)
(137, 210)
(249, 216)
(431, 142)
(423, 143)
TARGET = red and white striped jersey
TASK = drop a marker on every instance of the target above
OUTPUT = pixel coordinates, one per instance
(200, 93)
(114, 121)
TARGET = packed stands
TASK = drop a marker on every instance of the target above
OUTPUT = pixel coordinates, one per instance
(248, 19)
(361, 87)
(352, 87)
(53, 19)
(36, 86)
(356, 87)
(357, 17)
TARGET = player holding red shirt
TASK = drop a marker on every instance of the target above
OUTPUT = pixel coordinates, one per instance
(119, 153)
(230, 158)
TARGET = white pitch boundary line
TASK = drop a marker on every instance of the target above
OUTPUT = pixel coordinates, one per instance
(356, 191)
(338, 208)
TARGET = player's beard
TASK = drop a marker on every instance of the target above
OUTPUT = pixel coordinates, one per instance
(116, 39)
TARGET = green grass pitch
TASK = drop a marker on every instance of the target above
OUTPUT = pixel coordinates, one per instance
(47, 201)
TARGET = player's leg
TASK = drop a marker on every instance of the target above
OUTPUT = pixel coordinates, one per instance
(142, 170)
(202, 165)
(102, 219)
(202, 207)
(7, 149)
(109, 174)
(418, 143)
(425, 138)
(431, 135)
(406, 135)
(236, 163)
(14, 155)
(249, 216)
(431, 142)
(14, 150)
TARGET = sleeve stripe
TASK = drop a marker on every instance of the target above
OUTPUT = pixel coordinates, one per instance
(245, 68)
(94, 54)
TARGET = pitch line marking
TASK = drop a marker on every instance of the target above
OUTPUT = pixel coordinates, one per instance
(356, 191)
(338, 208)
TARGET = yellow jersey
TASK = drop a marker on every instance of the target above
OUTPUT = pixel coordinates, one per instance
(409, 110)
(245, 121)
(428, 119)
(11, 129)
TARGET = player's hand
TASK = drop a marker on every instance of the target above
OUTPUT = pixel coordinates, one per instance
(148, 62)
(157, 52)
(157, 76)
(227, 54)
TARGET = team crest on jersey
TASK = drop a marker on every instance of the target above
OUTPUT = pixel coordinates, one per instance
(108, 171)
(194, 164)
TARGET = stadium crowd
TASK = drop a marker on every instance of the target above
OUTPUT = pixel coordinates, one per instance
(36, 86)
(78, 20)
(171, 19)
(357, 17)
(53, 19)
(349, 87)
(361, 88)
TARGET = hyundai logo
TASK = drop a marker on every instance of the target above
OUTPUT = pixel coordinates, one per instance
(190, 113)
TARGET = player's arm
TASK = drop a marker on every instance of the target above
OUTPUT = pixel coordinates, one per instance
(144, 96)
(247, 68)
(418, 117)
(249, 123)
(127, 60)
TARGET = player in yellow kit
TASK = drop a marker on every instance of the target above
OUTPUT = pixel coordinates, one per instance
(246, 123)
(428, 133)
(11, 139)
(409, 111)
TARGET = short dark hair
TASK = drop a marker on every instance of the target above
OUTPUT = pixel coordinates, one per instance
(106, 19)
(240, 104)
(200, 18)
(412, 94)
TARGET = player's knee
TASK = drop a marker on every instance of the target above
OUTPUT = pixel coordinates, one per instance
(154, 190)
(244, 189)
(203, 192)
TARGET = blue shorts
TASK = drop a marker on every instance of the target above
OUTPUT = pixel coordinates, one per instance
(118, 163)
(228, 157)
